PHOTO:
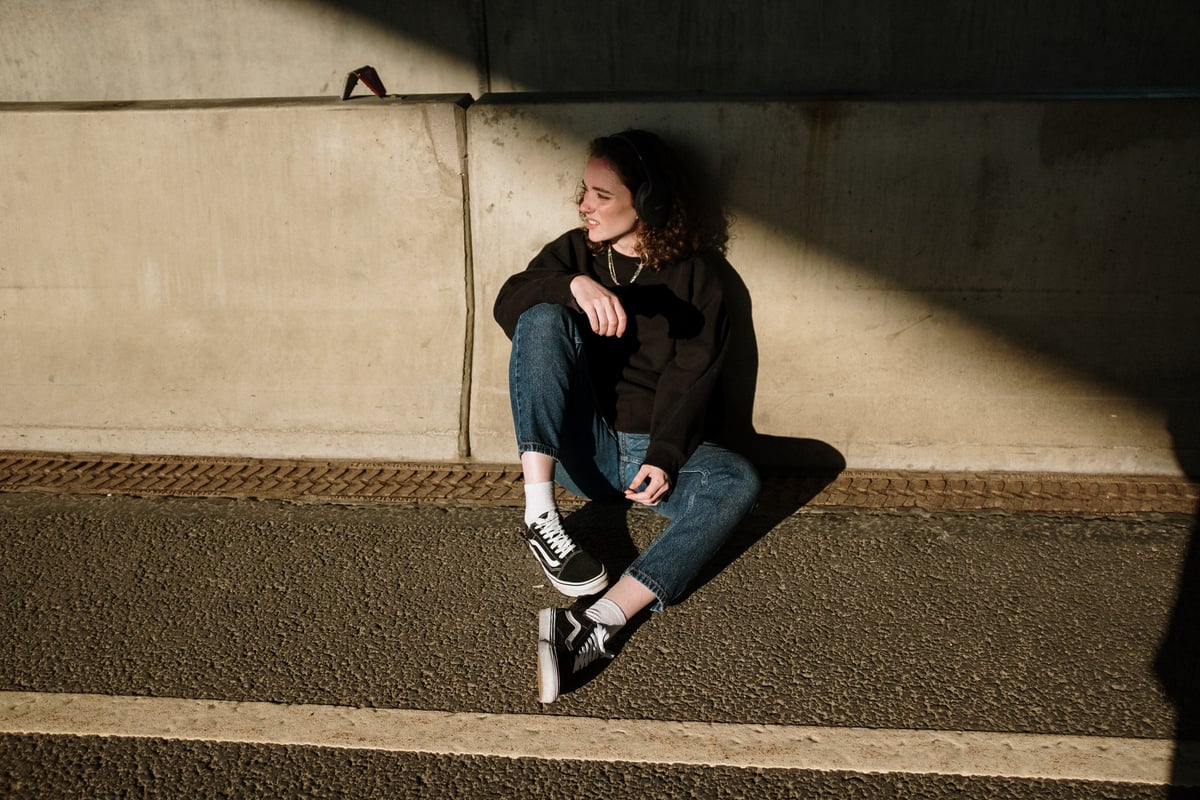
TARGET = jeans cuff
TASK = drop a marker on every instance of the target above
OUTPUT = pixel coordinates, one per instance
(537, 447)
(660, 604)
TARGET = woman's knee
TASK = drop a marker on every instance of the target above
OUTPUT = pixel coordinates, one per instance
(737, 479)
(546, 317)
(747, 476)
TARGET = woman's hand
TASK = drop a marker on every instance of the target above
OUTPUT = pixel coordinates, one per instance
(655, 488)
(604, 311)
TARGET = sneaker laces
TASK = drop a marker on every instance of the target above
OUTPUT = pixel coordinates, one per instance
(592, 648)
(553, 534)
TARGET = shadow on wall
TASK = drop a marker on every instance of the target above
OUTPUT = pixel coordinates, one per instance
(439, 25)
(734, 405)
(784, 47)
(1064, 228)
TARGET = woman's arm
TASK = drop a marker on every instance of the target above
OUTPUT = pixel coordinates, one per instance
(547, 279)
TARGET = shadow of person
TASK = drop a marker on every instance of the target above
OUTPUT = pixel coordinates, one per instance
(794, 470)
(785, 490)
(602, 528)
(1178, 662)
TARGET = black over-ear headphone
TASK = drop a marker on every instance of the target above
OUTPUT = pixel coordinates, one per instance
(653, 198)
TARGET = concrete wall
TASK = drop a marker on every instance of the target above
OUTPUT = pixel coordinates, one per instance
(187, 49)
(967, 285)
(931, 285)
(279, 279)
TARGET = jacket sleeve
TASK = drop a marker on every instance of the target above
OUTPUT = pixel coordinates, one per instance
(547, 279)
(681, 399)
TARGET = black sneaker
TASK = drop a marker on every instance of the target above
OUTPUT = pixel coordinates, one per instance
(567, 643)
(571, 571)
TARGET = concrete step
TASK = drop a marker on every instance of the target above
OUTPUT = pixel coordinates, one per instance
(864, 652)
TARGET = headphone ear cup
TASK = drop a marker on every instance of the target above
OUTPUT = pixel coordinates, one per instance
(641, 202)
(653, 205)
(652, 202)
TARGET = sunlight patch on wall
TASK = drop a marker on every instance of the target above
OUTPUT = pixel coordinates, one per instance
(214, 49)
(892, 377)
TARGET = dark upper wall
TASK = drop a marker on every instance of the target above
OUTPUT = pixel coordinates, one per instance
(816, 46)
(149, 49)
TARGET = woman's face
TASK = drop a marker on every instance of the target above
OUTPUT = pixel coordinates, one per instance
(607, 207)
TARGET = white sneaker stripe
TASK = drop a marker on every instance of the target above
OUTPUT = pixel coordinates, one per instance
(540, 553)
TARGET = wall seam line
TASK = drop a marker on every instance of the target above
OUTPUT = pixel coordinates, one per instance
(464, 403)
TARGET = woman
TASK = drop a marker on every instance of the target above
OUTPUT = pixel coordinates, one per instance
(618, 331)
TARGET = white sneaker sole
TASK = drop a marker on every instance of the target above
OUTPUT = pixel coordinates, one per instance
(548, 681)
(546, 625)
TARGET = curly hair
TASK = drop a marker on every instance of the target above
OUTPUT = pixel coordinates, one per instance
(695, 221)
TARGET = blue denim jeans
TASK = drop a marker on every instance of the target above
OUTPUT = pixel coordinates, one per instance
(554, 412)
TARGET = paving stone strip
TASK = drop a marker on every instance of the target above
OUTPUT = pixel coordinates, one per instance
(499, 484)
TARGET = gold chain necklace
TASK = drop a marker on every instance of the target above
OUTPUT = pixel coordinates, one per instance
(612, 272)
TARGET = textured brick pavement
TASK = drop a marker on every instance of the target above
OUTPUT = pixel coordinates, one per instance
(484, 484)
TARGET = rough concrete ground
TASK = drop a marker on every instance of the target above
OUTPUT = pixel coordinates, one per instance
(984, 620)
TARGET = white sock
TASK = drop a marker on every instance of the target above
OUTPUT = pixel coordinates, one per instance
(539, 498)
(607, 613)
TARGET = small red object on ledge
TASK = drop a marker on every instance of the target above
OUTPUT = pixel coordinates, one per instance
(370, 79)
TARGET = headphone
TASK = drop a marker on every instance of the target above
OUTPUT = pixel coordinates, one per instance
(653, 199)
